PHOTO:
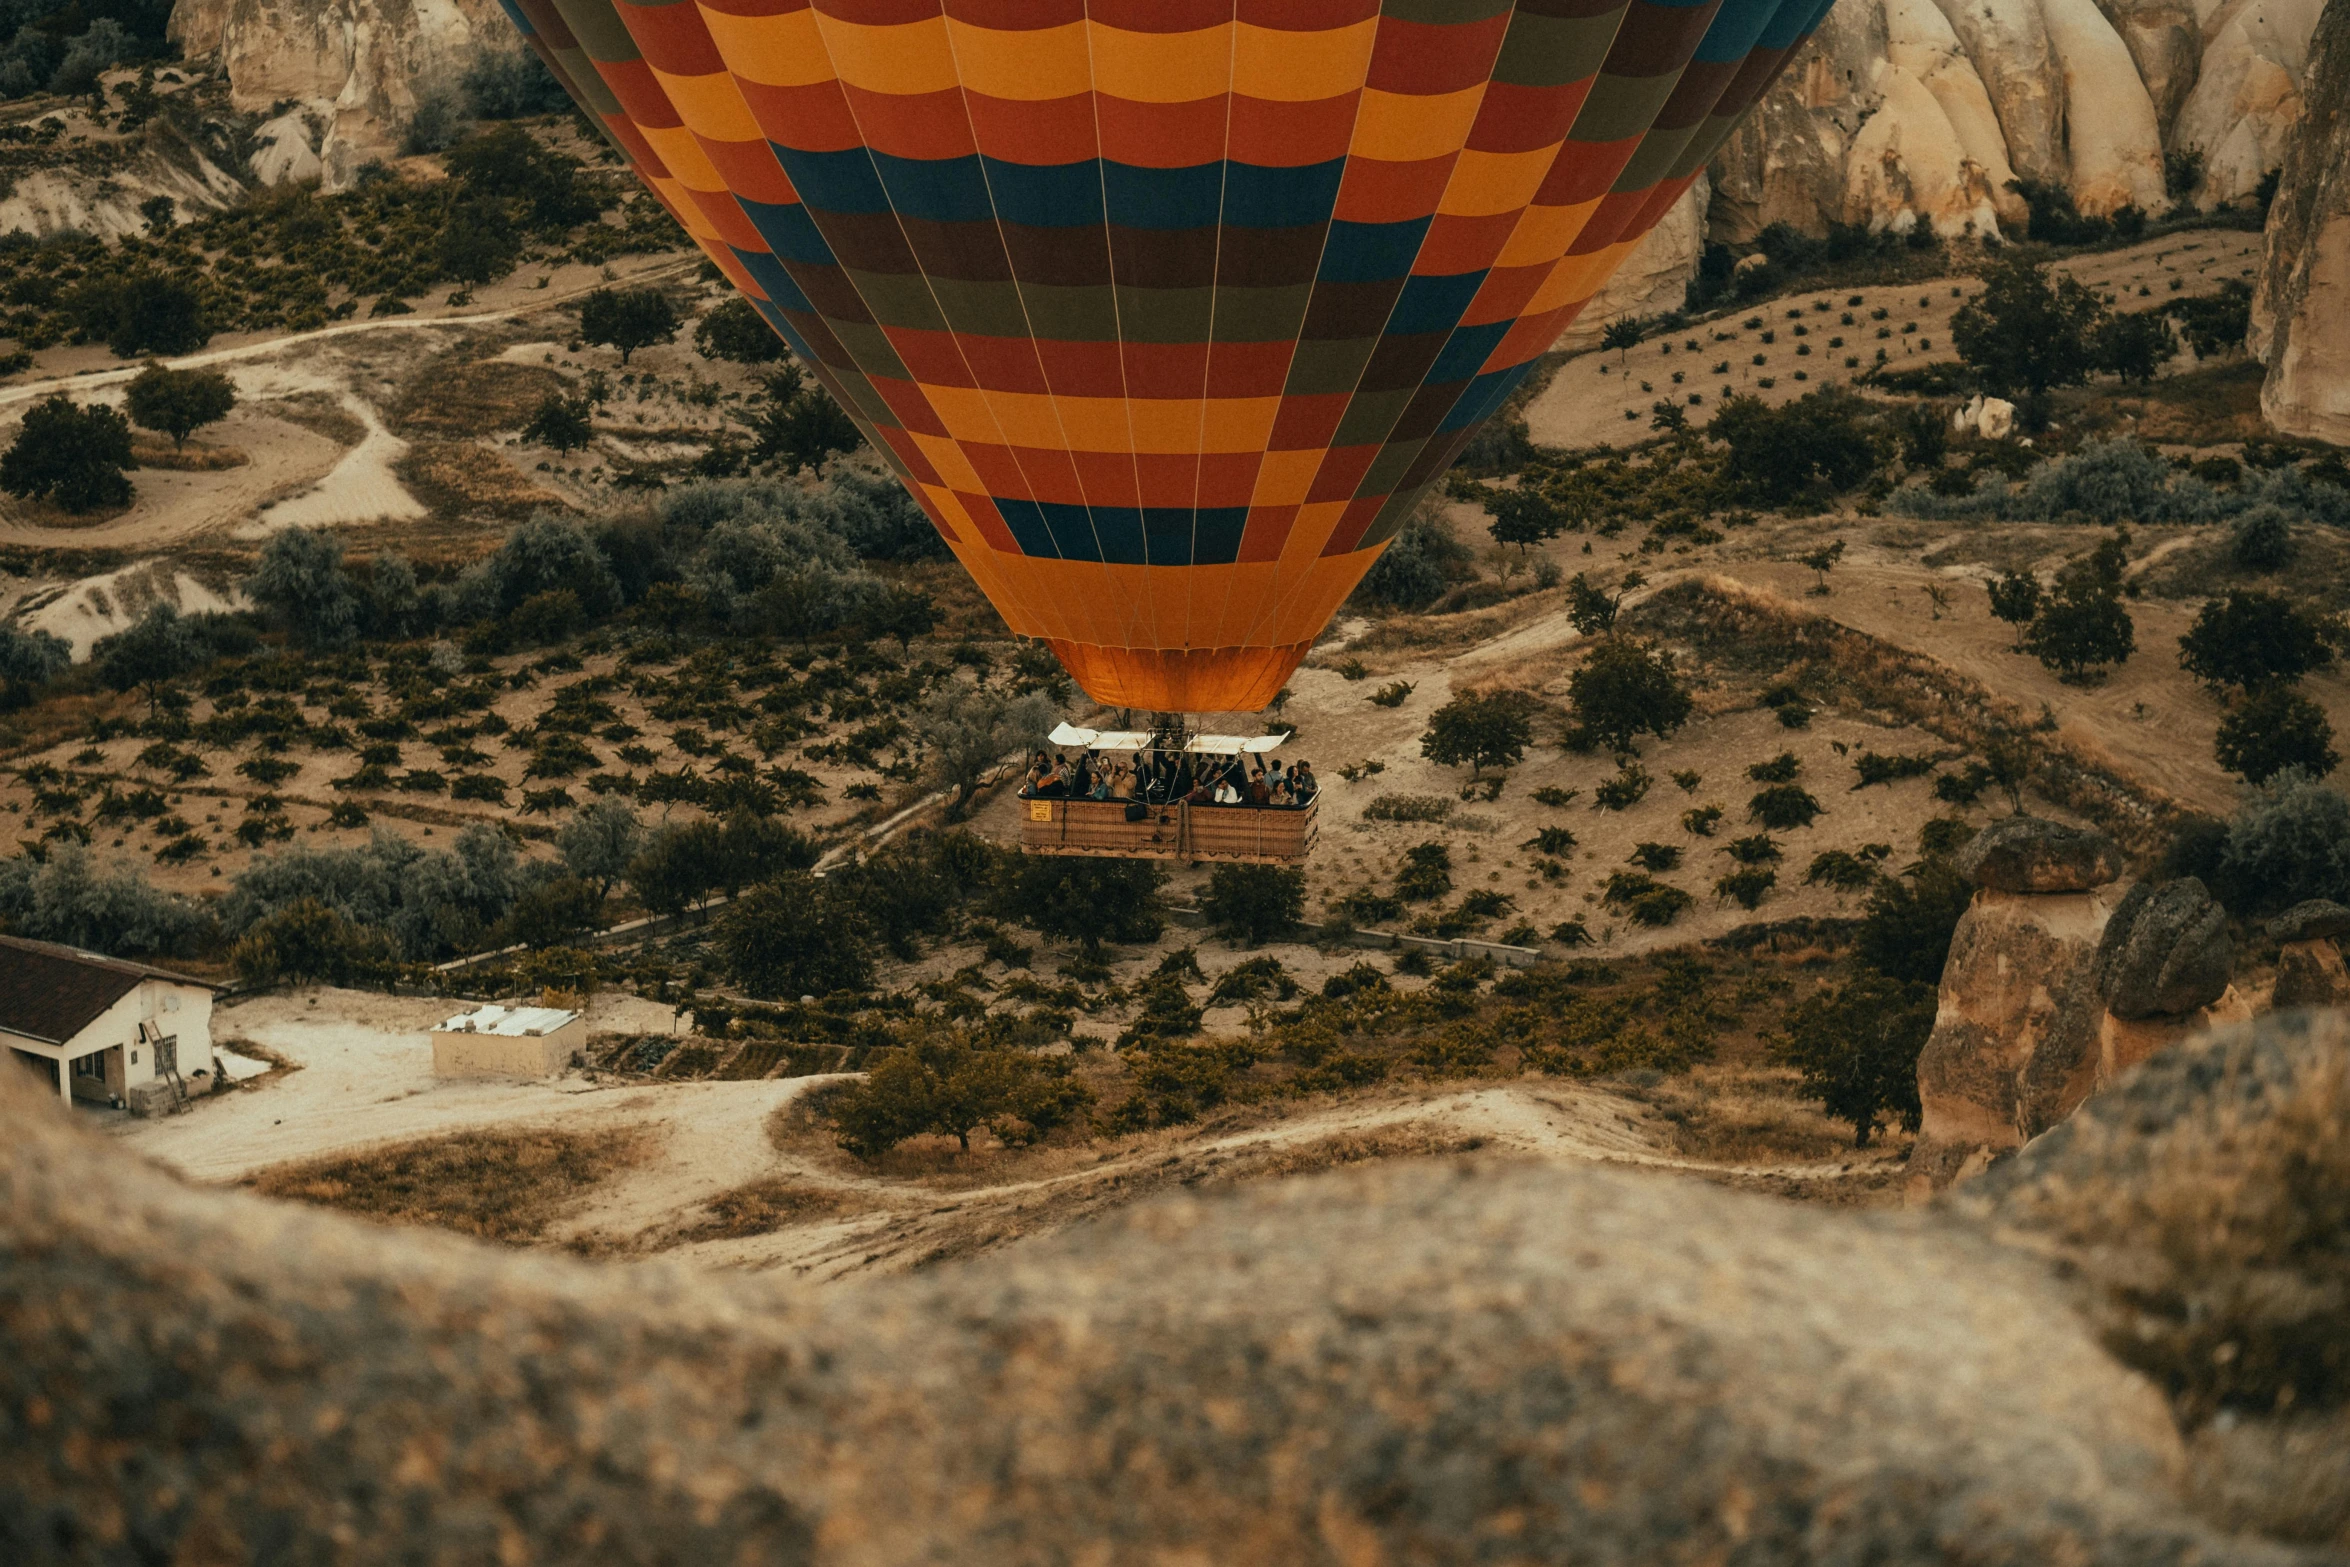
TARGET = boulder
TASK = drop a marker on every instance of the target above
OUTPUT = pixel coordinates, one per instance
(2310, 974)
(2017, 1037)
(1417, 1363)
(2165, 952)
(1995, 420)
(2301, 301)
(2033, 854)
(2317, 919)
(2113, 143)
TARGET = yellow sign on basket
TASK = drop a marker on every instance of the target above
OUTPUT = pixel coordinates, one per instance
(1040, 810)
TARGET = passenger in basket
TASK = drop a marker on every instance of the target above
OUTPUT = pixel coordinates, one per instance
(1225, 793)
(1037, 768)
(1055, 785)
(1260, 792)
(1122, 782)
(1302, 783)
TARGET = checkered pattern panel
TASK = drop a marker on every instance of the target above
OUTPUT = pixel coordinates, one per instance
(1168, 311)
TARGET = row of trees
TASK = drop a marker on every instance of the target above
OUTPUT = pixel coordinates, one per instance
(77, 457)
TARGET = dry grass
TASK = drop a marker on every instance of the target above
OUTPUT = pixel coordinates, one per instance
(1741, 1115)
(2318, 577)
(279, 1063)
(188, 459)
(765, 1206)
(320, 414)
(461, 400)
(1340, 1149)
(1423, 635)
(504, 1186)
(2205, 407)
(458, 477)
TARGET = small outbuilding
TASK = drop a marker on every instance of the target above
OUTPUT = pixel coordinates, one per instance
(106, 1031)
(503, 1041)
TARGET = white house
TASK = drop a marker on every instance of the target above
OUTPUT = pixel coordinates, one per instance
(498, 1041)
(104, 1030)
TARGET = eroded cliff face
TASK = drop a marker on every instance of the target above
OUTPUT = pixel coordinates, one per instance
(2301, 307)
(338, 78)
(1901, 112)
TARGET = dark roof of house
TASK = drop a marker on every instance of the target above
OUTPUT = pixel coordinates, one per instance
(51, 993)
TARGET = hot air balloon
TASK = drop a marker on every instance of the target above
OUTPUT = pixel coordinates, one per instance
(1168, 312)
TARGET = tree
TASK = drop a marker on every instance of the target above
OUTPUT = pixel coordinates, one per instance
(28, 661)
(1523, 516)
(1819, 441)
(965, 730)
(681, 867)
(627, 319)
(1087, 901)
(508, 165)
(599, 843)
(2255, 640)
(794, 423)
(177, 403)
(2082, 624)
(139, 313)
(736, 331)
(478, 243)
(300, 579)
(2274, 729)
(1856, 1046)
(1822, 561)
(789, 938)
(2263, 539)
(1911, 918)
(944, 1082)
(70, 455)
(1591, 609)
(1622, 335)
(1251, 904)
(563, 423)
(2015, 598)
(2134, 346)
(1488, 730)
(157, 648)
(1624, 691)
(900, 610)
(2024, 333)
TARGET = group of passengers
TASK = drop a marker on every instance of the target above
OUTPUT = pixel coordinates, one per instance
(1166, 778)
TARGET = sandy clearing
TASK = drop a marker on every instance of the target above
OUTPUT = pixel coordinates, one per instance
(360, 487)
(95, 607)
(710, 1138)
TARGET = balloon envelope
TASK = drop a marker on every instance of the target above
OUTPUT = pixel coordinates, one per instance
(1168, 312)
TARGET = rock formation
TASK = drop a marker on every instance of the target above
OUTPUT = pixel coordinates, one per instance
(2301, 305)
(1899, 112)
(1654, 278)
(2055, 987)
(346, 72)
(1415, 1363)
(2310, 971)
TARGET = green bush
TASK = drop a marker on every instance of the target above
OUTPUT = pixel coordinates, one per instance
(1746, 887)
(2274, 730)
(1783, 806)
(1856, 1046)
(1426, 875)
(1644, 899)
(72, 456)
(947, 1083)
(1251, 904)
(790, 937)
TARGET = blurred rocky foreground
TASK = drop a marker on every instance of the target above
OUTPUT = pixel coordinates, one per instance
(2129, 1344)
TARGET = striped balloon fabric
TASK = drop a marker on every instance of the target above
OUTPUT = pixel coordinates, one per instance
(1168, 311)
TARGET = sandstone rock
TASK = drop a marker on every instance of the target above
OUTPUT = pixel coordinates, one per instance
(2009, 44)
(1655, 278)
(2165, 952)
(1908, 166)
(2317, 919)
(1920, 41)
(1413, 1364)
(2311, 974)
(2301, 304)
(2032, 854)
(2249, 94)
(357, 65)
(2113, 142)
(2165, 40)
(2016, 1040)
(1785, 163)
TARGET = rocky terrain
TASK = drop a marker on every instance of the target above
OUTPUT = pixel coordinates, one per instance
(1580, 1364)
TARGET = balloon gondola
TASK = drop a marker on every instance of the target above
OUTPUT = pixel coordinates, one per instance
(1168, 312)
(1181, 795)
